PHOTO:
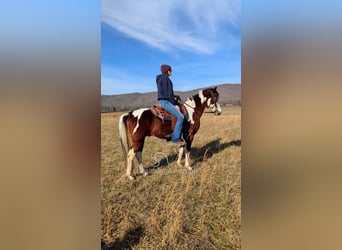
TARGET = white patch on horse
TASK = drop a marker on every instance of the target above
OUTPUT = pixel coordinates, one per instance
(137, 113)
(218, 107)
(213, 107)
(191, 102)
(190, 108)
(208, 102)
(130, 157)
(203, 98)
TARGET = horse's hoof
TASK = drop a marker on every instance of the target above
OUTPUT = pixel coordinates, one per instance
(145, 174)
(190, 168)
(179, 164)
(131, 178)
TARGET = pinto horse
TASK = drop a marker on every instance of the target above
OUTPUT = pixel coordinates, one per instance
(136, 125)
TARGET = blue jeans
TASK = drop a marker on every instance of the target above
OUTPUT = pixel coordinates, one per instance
(169, 107)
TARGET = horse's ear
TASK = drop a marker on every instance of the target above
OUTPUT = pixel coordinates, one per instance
(215, 88)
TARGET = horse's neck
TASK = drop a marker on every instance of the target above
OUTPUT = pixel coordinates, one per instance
(200, 107)
(199, 110)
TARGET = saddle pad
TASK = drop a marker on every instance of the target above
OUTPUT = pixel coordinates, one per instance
(161, 113)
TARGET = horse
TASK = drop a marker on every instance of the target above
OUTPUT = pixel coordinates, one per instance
(136, 125)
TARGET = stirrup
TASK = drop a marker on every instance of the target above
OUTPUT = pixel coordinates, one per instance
(168, 137)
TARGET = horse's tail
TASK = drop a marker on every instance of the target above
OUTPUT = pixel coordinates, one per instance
(123, 134)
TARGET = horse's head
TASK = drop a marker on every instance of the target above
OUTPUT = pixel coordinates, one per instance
(216, 109)
(210, 95)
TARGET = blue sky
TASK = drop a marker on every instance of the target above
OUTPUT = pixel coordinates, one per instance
(200, 39)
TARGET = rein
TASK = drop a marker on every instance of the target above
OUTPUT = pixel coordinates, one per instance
(189, 106)
(190, 99)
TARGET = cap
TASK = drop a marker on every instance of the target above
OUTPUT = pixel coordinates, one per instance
(165, 68)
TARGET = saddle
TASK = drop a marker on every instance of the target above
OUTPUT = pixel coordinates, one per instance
(165, 116)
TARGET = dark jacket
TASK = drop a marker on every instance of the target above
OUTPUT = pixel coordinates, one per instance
(165, 88)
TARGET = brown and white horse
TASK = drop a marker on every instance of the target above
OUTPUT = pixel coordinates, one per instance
(136, 125)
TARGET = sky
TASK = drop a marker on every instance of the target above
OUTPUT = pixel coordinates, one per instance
(200, 39)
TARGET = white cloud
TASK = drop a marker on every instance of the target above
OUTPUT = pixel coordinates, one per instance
(191, 25)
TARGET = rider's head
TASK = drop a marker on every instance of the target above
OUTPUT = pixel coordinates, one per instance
(165, 68)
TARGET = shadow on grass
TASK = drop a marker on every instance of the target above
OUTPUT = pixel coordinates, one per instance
(131, 238)
(211, 148)
(197, 154)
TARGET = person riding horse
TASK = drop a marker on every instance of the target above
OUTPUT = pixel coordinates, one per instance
(168, 100)
(135, 126)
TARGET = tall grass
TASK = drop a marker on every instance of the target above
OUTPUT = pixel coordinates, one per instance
(173, 208)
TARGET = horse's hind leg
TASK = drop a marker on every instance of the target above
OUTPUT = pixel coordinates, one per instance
(130, 157)
(141, 165)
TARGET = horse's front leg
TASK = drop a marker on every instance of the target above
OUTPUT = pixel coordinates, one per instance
(180, 154)
(141, 165)
(187, 159)
(187, 153)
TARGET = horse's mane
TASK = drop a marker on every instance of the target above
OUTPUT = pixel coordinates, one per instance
(196, 97)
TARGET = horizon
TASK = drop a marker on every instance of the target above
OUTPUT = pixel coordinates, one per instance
(201, 47)
(183, 91)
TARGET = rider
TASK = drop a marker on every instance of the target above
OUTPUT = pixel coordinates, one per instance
(168, 100)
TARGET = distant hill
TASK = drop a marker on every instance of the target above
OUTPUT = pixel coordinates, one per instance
(229, 94)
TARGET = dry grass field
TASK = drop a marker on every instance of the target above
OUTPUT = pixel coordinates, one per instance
(173, 208)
